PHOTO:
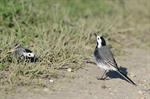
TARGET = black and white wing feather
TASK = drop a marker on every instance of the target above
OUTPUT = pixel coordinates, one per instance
(105, 56)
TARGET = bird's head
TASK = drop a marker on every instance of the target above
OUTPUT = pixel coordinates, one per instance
(100, 41)
(28, 54)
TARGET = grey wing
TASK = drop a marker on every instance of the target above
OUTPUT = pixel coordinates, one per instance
(107, 56)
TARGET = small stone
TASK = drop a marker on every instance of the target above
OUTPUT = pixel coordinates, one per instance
(144, 81)
(51, 81)
(132, 75)
(140, 92)
(69, 70)
(109, 88)
(111, 93)
(46, 89)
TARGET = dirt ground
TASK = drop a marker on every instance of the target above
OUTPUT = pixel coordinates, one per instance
(86, 86)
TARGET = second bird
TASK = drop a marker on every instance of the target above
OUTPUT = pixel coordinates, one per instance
(23, 54)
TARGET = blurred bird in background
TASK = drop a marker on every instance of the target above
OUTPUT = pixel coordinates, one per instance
(23, 54)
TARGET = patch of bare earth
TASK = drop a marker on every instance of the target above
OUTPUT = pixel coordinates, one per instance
(86, 86)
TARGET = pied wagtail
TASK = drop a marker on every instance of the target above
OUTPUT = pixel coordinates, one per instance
(105, 59)
(22, 53)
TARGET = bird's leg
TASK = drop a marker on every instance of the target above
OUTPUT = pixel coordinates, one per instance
(102, 77)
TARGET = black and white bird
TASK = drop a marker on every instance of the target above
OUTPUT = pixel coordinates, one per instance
(23, 54)
(105, 59)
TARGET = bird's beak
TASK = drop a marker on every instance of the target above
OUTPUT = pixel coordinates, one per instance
(95, 34)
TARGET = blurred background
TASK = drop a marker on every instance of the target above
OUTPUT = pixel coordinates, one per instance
(60, 32)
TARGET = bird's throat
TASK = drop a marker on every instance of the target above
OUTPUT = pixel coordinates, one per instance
(98, 45)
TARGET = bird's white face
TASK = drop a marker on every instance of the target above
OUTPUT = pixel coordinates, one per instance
(99, 42)
(28, 54)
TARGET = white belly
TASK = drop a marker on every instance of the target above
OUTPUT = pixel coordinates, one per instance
(103, 66)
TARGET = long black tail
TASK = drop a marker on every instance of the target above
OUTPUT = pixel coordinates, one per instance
(126, 77)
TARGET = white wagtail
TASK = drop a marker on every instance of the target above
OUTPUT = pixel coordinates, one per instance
(23, 54)
(105, 60)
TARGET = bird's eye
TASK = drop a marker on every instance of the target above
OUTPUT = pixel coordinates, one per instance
(29, 54)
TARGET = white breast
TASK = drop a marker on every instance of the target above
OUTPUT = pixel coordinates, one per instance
(105, 67)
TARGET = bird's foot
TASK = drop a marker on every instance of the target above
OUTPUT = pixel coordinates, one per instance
(102, 78)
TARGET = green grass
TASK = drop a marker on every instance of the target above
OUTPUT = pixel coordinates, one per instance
(60, 32)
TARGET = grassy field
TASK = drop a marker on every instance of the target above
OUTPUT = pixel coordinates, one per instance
(60, 32)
